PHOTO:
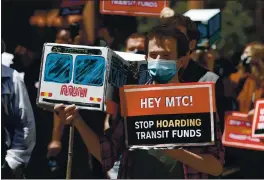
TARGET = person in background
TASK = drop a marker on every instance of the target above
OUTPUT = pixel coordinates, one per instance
(84, 165)
(250, 82)
(106, 36)
(234, 84)
(250, 161)
(18, 124)
(63, 37)
(136, 43)
(169, 46)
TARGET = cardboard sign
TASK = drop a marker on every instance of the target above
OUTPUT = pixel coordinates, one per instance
(137, 65)
(133, 8)
(258, 121)
(209, 25)
(86, 76)
(168, 115)
(238, 132)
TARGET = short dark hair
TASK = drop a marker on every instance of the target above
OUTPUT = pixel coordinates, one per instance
(165, 30)
(181, 20)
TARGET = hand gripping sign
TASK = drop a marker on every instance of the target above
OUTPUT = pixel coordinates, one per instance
(168, 115)
(238, 132)
(86, 76)
(258, 121)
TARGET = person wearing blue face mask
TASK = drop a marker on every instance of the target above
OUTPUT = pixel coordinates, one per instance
(167, 53)
(162, 71)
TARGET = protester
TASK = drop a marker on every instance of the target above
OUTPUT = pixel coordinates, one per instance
(236, 81)
(63, 37)
(189, 28)
(256, 66)
(107, 36)
(136, 43)
(84, 165)
(250, 161)
(18, 124)
(250, 84)
(168, 43)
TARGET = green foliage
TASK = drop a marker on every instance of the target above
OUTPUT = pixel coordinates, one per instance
(146, 23)
(235, 21)
(180, 7)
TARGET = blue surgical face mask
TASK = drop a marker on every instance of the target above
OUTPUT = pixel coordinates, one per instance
(161, 70)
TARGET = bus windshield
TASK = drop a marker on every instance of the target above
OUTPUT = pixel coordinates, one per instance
(58, 68)
(89, 70)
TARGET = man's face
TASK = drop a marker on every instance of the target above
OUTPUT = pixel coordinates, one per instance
(135, 45)
(165, 48)
(63, 37)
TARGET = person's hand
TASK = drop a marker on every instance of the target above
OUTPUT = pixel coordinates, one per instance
(67, 114)
(106, 122)
(167, 12)
(174, 153)
(251, 115)
(54, 148)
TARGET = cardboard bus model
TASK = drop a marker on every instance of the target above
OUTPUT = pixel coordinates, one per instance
(209, 25)
(138, 67)
(86, 76)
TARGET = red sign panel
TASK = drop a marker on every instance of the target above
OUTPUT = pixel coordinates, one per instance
(72, 3)
(238, 133)
(258, 121)
(133, 8)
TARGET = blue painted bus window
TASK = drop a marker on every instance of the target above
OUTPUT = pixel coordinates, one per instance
(203, 30)
(58, 68)
(89, 70)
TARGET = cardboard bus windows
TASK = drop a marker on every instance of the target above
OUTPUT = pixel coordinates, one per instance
(58, 68)
(89, 70)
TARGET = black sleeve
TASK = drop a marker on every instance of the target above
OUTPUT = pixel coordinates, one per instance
(220, 101)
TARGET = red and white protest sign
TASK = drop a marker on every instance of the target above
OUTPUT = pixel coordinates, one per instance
(258, 120)
(133, 8)
(238, 133)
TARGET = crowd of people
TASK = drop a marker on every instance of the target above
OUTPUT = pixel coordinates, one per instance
(36, 141)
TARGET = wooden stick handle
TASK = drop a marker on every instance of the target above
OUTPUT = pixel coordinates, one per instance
(70, 153)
